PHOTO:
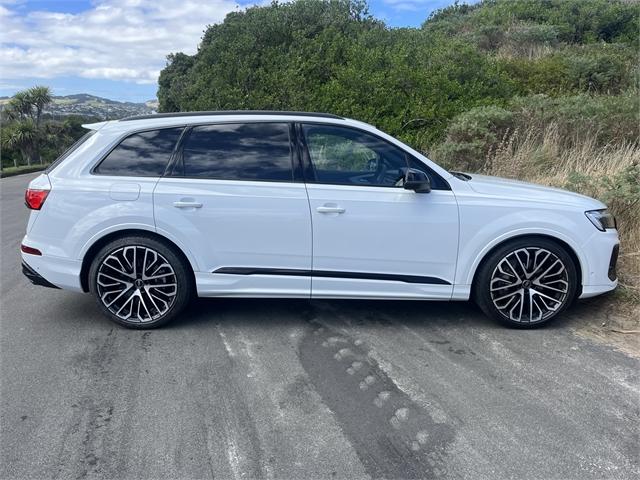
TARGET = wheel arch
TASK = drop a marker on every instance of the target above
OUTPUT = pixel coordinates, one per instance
(561, 243)
(93, 250)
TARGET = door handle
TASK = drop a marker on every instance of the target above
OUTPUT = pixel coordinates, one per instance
(330, 209)
(183, 204)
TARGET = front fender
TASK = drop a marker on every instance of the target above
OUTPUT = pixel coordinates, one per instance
(478, 239)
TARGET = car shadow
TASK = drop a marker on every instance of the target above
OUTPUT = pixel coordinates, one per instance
(205, 313)
(293, 312)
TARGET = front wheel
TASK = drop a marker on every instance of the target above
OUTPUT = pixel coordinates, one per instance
(139, 282)
(526, 282)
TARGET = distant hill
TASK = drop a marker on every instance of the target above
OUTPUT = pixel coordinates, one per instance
(92, 106)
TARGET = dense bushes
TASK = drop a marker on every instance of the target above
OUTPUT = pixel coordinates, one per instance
(589, 68)
(576, 21)
(331, 55)
(471, 135)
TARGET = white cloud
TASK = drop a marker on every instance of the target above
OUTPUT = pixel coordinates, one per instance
(114, 39)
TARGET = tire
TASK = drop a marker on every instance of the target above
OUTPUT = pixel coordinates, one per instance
(147, 296)
(526, 283)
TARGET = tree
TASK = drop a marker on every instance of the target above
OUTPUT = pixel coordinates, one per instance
(38, 97)
(19, 106)
(21, 135)
(172, 81)
(26, 108)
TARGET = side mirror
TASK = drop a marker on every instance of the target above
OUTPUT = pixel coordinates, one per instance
(416, 180)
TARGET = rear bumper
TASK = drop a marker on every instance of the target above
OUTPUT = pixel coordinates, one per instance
(35, 278)
(52, 271)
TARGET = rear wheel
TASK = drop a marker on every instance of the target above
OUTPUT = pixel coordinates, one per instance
(526, 282)
(139, 282)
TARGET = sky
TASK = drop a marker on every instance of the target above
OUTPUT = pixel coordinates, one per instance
(116, 48)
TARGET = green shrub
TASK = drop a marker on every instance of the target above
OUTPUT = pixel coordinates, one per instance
(596, 71)
(470, 136)
(588, 69)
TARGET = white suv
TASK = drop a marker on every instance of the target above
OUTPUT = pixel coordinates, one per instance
(148, 211)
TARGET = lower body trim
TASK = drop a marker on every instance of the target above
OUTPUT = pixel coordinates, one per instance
(35, 278)
(332, 274)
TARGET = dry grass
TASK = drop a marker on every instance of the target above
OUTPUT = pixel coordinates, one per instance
(545, 157)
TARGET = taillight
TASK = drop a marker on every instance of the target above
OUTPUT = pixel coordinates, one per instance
(34, 199)
(30, 250)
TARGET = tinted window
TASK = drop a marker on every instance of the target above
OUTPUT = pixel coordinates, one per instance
(347, 156)
(351, 157)
(239, 151)
(141, 154)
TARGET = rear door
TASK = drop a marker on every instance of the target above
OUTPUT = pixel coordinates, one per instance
(231, 200)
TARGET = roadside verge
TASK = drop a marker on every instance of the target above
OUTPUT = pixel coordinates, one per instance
(12, 171)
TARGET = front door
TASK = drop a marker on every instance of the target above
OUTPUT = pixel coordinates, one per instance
(371, 237)
(232, 201)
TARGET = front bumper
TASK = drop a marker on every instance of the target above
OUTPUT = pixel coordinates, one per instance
(35, 278)
(601, 251)
(612, 273)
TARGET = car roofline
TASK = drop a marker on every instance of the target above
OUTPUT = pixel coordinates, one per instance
(143, 122)
(231, 113)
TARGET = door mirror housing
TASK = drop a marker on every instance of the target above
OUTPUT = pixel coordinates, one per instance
(416, 180)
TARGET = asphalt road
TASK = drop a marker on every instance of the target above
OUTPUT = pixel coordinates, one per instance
(300, 390)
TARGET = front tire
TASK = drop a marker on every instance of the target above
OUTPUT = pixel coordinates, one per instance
(526, 283)
(139, 282)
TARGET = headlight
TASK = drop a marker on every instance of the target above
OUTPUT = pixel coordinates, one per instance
(601, 219)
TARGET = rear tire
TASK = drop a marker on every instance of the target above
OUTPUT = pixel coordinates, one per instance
(140, 282)
(526, 283)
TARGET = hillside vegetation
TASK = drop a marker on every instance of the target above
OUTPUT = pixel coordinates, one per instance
(545, 90)
(86, 105)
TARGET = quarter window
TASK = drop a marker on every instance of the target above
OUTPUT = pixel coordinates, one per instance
(239, 151)
(144, 154)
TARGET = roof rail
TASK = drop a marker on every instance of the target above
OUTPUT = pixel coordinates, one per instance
(230, 112)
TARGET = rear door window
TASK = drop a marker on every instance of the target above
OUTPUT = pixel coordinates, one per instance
(144, 154)
(239, 151)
